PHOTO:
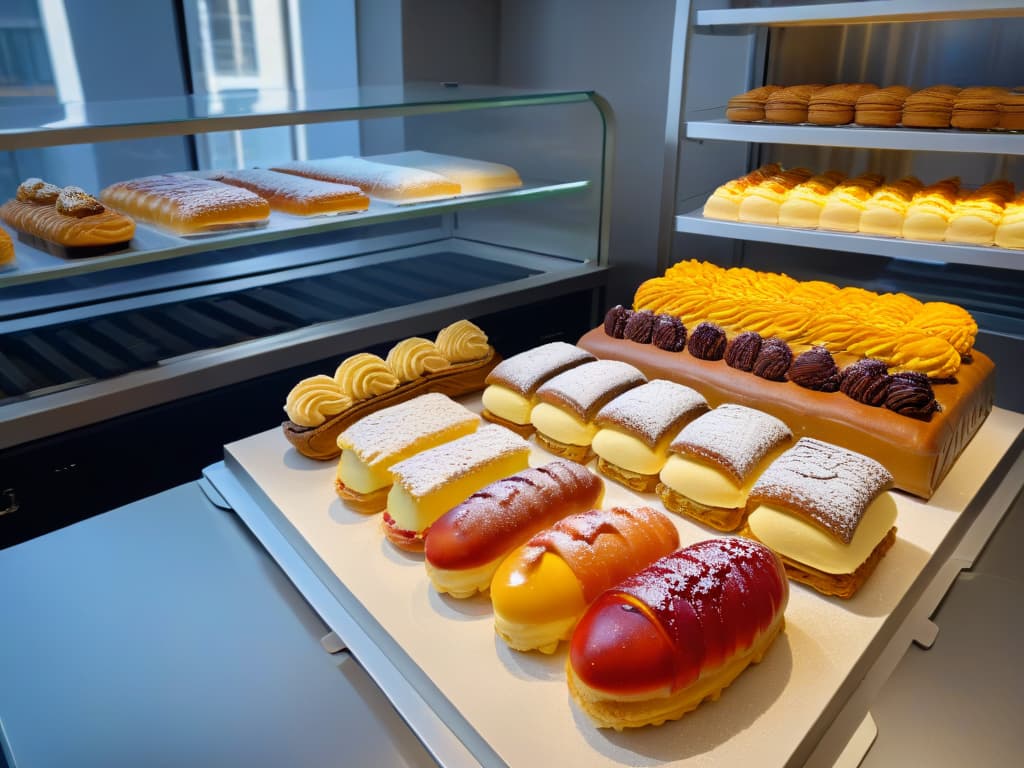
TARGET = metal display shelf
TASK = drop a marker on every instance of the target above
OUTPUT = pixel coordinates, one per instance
(150, 244)
(57, 124)
(895, 248)
(137, 354)
(987, 142)
(871, 12)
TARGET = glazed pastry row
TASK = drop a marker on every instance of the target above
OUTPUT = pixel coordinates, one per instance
(192, 203)
(988, 215)
(939, 106)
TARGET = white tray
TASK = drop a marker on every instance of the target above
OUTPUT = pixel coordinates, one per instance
(518, 704)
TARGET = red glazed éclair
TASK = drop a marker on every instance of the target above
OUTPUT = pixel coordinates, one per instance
(467, 544)
(677, 633)
(540, 591)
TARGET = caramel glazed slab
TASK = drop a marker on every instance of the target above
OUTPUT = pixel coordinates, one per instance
(456, 364)
(917, 453)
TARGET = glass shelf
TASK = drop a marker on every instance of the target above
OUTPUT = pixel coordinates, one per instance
(870, 12)
(47, 124)
(895, 248)
(151, 244)
(857, 137)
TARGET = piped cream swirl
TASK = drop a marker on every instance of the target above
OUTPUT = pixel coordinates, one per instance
(313, 400)
(412, 358)
(462, 341)
(365, 375)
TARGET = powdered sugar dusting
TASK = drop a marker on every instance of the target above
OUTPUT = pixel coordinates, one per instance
(651, 410)
(524, 372)
(829, 485)
(428, 471)
(383, 433)
(378, 179)
(732, 587)
(587, 387)
(733, 436)
(298, 188)
(182, 197)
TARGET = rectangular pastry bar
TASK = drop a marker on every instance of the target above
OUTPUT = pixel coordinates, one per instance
(295, 195)
(476, 177)
(186, 205)
(381, 180)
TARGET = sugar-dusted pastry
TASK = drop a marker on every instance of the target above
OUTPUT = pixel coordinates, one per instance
(1011, 110)
(434, 481)
(186, 204)
(789, 105)
(1010, 232)
(802, 206)
(635, 428)
(6, 248)
(760, 205)
(540, 591)
(715, 460)
(885, 210)
(930, 107)
(295, 195)
(724, 202)
(467, 544)
(978, 108)
(371, 446)
(393, 183)
(476, 177)
(656, 645)
(836, 104)
(826, 512)
(845, 204)
(929, 212)
(569, 402)
(978, 214)
(882, 108)
(512, 386)
(456, 363)
(66, 222)
(749, 107)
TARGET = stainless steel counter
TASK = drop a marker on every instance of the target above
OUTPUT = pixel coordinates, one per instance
(161, 633)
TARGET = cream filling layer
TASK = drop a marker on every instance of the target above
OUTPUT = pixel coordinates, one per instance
(359, 477)
(629, 452)
(465, 582)
(418, 514)
(561, 425)
(806, 543)
(705, 484)
(509, 405)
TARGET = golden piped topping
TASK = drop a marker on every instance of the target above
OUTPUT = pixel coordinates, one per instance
(462, 342)
(364, 375)
(76, 202)
(412, 358)
(37, 191)
(313, 400)
(895, 328)
(929, 355)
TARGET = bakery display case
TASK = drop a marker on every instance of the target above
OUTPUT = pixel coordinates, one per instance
(916, 44)
(168, 314)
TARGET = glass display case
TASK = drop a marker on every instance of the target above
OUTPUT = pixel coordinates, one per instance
(83, 340)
